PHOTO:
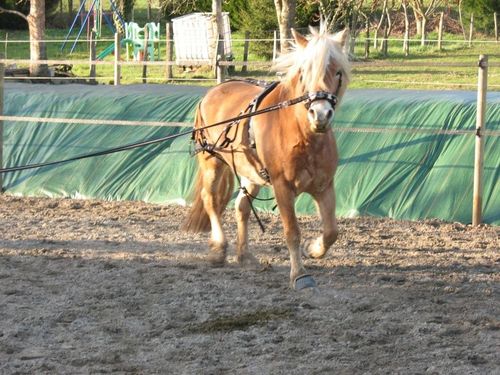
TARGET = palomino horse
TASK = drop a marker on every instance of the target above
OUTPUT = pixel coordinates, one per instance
(292, 148)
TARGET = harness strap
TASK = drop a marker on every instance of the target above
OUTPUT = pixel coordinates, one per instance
(254, 106)
(246, 193)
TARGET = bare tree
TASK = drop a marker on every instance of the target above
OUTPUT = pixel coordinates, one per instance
(36, 25)
(460, 19)
(387, 32)
(423, 10)
(219, 26)
(217, 12)
(177, 7)
(285, 12)
(71, 13)
(380, 24)
(406, 39)
(348, 13)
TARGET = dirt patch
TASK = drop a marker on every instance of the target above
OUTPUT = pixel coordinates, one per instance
(99, 287)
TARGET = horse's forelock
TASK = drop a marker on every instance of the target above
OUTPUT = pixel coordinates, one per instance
(312, 62)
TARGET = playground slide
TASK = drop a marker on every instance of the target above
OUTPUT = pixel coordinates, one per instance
(108, 50)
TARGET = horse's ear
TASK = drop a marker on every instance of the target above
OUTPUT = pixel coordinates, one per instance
(341, 37)
(300, 39)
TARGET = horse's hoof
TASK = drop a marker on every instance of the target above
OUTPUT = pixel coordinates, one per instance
(304, 282)
(313, 250)
(304, 249)
(216, 259)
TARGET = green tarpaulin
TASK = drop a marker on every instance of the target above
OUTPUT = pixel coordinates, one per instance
(410, 175)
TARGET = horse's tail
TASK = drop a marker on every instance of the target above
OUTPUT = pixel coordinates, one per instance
(198, 219)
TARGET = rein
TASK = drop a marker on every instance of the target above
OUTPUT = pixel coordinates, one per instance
(308, 98)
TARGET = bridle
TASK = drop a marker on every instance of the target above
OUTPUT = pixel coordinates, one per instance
(320, 95)
(324, 95)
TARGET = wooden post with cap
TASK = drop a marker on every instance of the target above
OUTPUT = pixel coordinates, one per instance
(482, 85)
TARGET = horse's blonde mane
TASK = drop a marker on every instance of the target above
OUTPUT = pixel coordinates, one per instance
(313, 60)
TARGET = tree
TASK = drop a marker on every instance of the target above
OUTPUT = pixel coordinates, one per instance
(483, 12)
(338, 14)
(36, 25)
(255, 19)
(126, 7)
(406, 38)
(217, 12)
(219, 25)
(423, 10)
(175, 8)
(285, 13)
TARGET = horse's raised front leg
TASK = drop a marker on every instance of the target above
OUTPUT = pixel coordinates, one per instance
(285, 197)
(326, 207)
(242, 206)
(214, 176)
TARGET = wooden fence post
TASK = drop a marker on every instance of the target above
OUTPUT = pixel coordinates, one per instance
(482, 86)
(495, 19)
(440, 31)
(169, 52)
(117, 59)
(244, 68)
(92, 58)
(2, 72)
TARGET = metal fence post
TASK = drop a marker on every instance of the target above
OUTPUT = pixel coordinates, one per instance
(482, 86)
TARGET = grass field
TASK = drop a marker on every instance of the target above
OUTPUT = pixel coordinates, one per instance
(425, 68)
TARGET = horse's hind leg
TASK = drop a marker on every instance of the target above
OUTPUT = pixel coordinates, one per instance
(326, 207)
(217, 187)
(243, 208)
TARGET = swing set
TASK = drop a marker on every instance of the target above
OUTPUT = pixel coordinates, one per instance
(135, 36)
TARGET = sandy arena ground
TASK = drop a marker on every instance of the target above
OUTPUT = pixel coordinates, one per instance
(115, 287)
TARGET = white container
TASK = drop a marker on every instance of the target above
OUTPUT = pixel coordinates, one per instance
(195, 38)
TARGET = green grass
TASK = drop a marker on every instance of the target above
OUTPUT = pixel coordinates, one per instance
(400, 73)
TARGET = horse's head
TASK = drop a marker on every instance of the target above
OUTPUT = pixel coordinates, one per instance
(318, 67)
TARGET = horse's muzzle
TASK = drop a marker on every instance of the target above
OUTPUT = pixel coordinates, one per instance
(320, 128)
(320, 117)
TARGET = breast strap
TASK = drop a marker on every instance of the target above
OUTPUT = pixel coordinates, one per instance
(254, 105)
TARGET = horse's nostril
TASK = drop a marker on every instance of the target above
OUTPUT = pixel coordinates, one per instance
(329, 114)
(312, 113)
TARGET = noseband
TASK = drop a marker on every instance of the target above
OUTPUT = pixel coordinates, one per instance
(321, 95)
(324, 95)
